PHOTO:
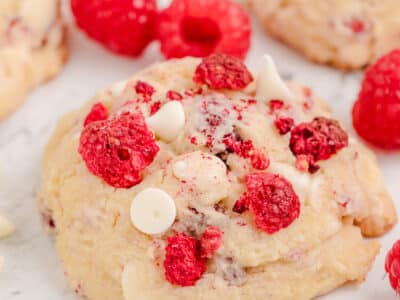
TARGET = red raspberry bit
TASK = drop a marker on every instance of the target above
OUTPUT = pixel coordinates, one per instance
(211, 241)
(144, 89)
(220, 71)
(284, 125)
(123, 26)
(200, 28)
(356, 25)
(272, 200)
(183, 262)
(275, 105)
(245, 149)
(118, 149)
(318, 140)
(258, 160)
(392, 267)
(241, 205)
(98, 112)
(155, 107)
(172, 95)
(193, 140)
(376, 113)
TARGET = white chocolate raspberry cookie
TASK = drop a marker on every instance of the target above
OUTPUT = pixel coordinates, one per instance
(191, 182)
(32, 48)
(348, 34)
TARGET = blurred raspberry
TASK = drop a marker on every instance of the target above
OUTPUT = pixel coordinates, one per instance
(221, 71)
(317, 140)
(97, 113)
(183, 263)
(118, 149)
(376, 113)
(199, 28)
(124, 26)
(272, 200)
(210, 241)
(392, 266)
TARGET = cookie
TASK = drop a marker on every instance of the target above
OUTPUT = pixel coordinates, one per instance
(347, 34)
(195, 180)
(32, 48)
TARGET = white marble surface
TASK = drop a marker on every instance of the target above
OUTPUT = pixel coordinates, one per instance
(32, 270)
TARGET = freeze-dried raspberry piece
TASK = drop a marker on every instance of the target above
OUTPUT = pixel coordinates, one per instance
(376, 113)
(210, 241)
(118, 149)
(284, 125)
(172, 95)
(272, 200)
(183, 262)
(318, 140)
(240, 205)
(392, 267)
(144, 89)
(155, 107)
(221, 71)
(275, 105)
(246, 149)
(97, 113)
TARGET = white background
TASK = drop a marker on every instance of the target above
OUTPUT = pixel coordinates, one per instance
(32, 270)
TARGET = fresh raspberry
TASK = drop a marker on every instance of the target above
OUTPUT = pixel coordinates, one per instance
(376, 113)
(210, 241)
(183, 263)
(199, 28)
(272, 200)
(392, 266)
(318, 140)
(124, 26)
(284, 125)
(220, 71)
(98, 112)
(118, 149)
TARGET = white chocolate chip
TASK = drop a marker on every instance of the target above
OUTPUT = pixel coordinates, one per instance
(168, 121)
(153, 211)
(6, 227)
(202, 171)
(270, 85)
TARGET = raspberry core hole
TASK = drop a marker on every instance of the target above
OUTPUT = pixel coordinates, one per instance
(203, 32)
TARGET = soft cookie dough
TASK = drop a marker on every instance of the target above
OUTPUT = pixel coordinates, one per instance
(32, 48)
(348, 34)
(105, 257)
